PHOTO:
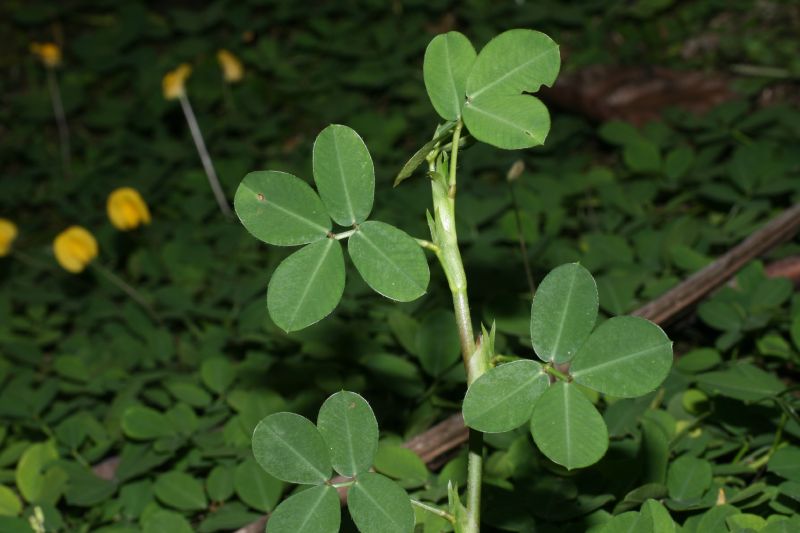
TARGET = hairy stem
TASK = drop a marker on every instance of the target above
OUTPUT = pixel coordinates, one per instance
(205, 158)
(475, 364)
(434, 510)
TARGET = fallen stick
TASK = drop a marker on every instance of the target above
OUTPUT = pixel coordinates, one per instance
(671, 304)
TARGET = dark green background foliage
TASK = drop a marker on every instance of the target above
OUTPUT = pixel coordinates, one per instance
(86, 375)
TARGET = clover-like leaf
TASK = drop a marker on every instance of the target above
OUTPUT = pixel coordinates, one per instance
(348, 425)
(626, 356)
(563, 312)
(307, 285)
(379, 505)
(567, 428)
(448, 61)
(344, 174)
(291, 448)
(390, 261)
(281, 209)
(502, 399)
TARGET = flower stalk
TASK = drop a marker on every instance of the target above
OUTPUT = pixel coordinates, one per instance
(205, 158)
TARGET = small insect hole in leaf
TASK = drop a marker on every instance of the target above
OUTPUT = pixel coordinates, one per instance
(260, 197)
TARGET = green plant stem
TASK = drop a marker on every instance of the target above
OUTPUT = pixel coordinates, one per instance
(776, 442)
(61, 121)
(27, 260)
(475, 362)
(434, 510)
(343, 235)
(454, 159)
(428, 245)
(205, 158)
(126, 288)
(550, 369)
(523, 246)
(500, 359)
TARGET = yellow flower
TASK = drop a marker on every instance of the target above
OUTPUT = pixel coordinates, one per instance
(174, 82)
(127, 209)
(8, 232)
(48, 53)
(232, 69)
(75, 248)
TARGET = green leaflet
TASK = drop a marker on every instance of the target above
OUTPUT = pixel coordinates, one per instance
(291, 448)
(255, 487)
(786, 463)
(315, 510)
(563, 312)
(38, 481)
(503, 398)
(349, 427)
(567, 428)
(742, 381)
(162, 520)
(143, 423)
(181, 491)
(344, 174)
(280, 209)
(625, 356)
(514, 61)
(390, 261)
(307, 285)
(10, 504)
(378, 505)
(448, 61)
(508, 121)
(688, 478)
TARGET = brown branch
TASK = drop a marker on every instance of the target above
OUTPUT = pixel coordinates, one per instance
(666, 307)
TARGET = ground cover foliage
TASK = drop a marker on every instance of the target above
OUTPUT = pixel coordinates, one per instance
(86, 374)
